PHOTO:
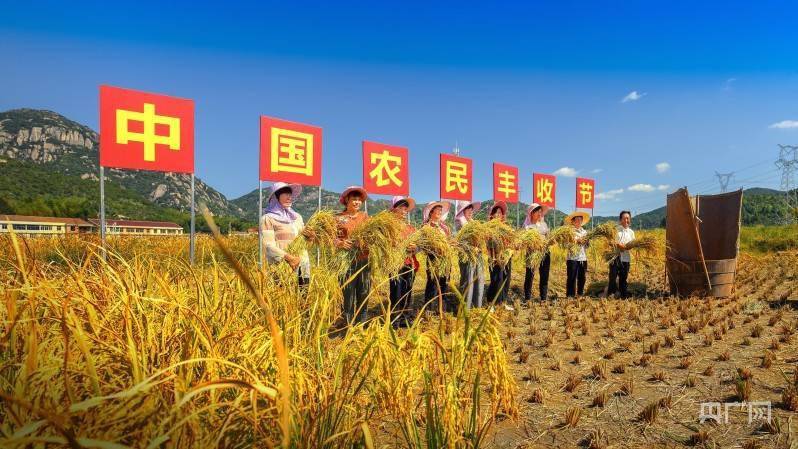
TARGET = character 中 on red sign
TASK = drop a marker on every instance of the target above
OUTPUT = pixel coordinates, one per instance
(456, 177)
(505, 183)
(386, 169)
(545, 189)
(146, 131)
(290, 152)
(585, 193)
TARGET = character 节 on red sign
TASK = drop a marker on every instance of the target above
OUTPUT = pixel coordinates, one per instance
(585, 193)
(146, 131)
(290, 152)
(505, 183)
(386, 169)
(545, 189)
(456, 177)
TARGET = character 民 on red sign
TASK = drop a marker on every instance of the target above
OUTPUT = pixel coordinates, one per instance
(290, 152)
(386, 169)
(505, 183)
(146, 131)
(585, 193)
(456, 177)
(545, 189)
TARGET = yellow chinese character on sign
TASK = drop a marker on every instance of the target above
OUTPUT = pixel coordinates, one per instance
(456, 176)
(586, 191)
(543, 190)
(507, 183)
(147, 136)
(291, 151)
(387, 164)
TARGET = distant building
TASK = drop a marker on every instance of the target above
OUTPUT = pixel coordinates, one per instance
(30, 226)
(136, 227)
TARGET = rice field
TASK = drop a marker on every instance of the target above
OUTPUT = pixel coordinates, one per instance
(145, 351)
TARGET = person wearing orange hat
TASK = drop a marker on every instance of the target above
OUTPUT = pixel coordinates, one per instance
(472, 274)
(500, 272)
(438, 283)
(534, 220)
(356, 290)
(401, 284)
(280, 225)
(576, 263)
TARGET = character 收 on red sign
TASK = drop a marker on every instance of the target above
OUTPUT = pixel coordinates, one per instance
(456, 177)
(290, 152)
(585, 193)
(386, 169)
(545, 189)
(505, 183)
(146, 131)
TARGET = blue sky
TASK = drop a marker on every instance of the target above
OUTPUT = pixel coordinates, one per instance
(541, 86)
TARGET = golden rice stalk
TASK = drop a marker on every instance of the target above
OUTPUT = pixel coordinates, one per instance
(381, 235)
(532, 246)
(606, 231)
(564, 236)
(435, 245)
(470, 241)
(647, 243)
(500, 241)
(324, 230)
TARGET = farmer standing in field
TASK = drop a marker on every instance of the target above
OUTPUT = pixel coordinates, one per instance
(280, 225)
(500, 272)
(576, 264)
(619, 266)
(534, 220)
(401, 284)
(356, 282)
(472, 274)
(437, 283)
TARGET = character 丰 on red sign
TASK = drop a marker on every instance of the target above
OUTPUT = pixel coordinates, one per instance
(386, 169)
(505, 183)
(146, 131)
(585, 193)
(545, 189)
(456, 177)
(290, 152)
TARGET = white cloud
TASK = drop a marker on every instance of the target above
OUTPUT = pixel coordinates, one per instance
(662, 167)
(642, 188)
(609, 194)
(568, 172)
(728, 84)
(663, 187)
(785, 124)
(633, 96)
(597, 170)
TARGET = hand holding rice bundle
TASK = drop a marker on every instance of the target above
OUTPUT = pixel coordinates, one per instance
(435, 245)
(564, 236)
(647, 243)
(381, 236)
(606, 231)
(532, 246)
(470, 241)
(500, 240)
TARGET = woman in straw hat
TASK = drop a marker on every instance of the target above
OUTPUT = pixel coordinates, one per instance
(437, 283)
(499, 287)
(534, 220)
(576, 264)
(356, 290)
(280, 225)
(401, 284)
(472, 274)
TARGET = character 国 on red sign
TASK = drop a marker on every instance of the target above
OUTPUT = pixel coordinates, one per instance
(505, 183)
(456, 177)
(386, 169)
(545, 189)
(146, 131)
(289, 152)
(585, 193)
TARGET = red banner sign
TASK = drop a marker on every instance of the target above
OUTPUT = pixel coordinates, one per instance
(545, 189)
(505, 183)
(290, 152)
(146, 131)
(456, 177)
(386, 169)
(585, 193)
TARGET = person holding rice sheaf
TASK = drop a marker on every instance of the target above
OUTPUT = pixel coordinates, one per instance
(280, 225)
(619, 266)
(534, 220)
(401, 284)
(576, 264)
(356, 290)
(472, 273)
(500, 270)
(437, 283)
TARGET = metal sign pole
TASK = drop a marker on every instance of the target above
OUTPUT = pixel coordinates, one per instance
(191, 238)
(102, 211)
(258, 218)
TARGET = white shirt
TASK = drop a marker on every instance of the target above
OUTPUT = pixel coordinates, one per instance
(579, 255)
(541, 226)
(625, 235)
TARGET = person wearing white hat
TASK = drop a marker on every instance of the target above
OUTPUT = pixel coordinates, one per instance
(500, 272)
(356, 282)
(534, 220)
(401, 284)
(472, 274)
(280, 225)
(438, 283)
(576, 264)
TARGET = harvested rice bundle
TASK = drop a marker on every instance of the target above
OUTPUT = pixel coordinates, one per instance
(564, 236)
(381, 235)
(470, 241)
(323, 228)
(500, 240)
(606, 231)
(646, 243)
(532, 246)
(435, 245)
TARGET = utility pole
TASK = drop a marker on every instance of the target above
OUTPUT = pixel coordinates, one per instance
(788, 164)
(723, 179)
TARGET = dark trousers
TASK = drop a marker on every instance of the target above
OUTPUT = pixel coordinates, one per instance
(499, 283)
(619, 273)
(543, 272)
(356, 291)
(577, 274)
(401, 291)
